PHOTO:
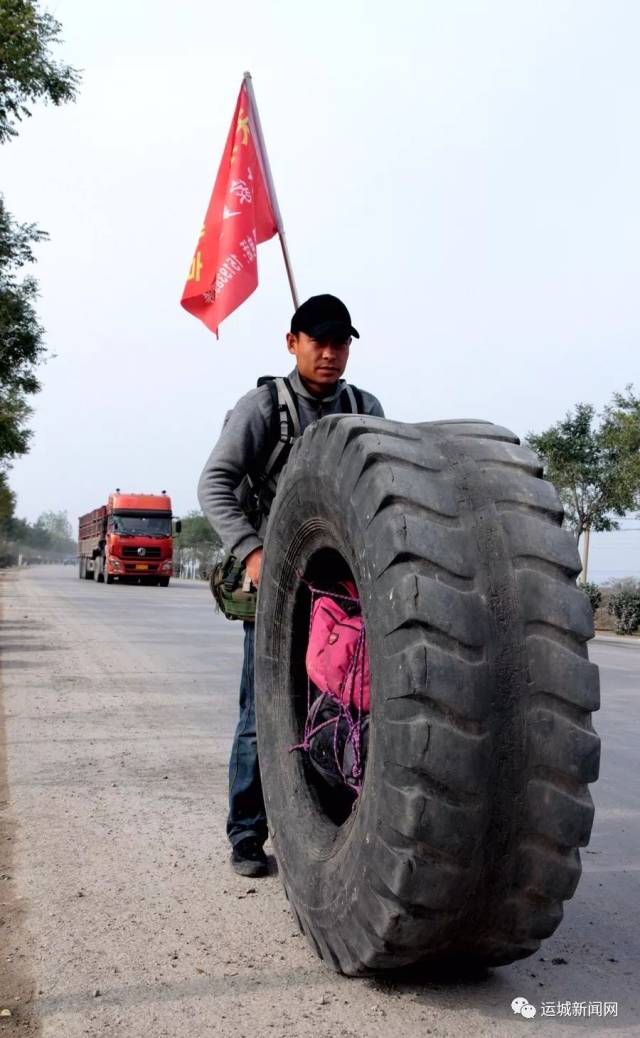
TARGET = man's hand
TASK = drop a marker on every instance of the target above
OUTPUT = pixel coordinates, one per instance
(253, 565)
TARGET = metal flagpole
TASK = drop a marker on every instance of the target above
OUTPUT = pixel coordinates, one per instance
(266, 169)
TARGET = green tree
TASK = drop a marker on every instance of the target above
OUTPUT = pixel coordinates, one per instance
(28, 73)
(57, 524)
(7, 498)
(196, 530)
(51, 533)
(197, 542)
(595, 466)
(21, 532)
(21, 336)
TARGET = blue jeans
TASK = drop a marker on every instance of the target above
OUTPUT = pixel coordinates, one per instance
(247, 815)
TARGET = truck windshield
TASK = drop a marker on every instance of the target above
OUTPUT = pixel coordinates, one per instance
(141, 525)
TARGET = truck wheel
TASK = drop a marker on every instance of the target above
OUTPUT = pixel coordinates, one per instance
(164, 582)
(463, 842)
(109, 577)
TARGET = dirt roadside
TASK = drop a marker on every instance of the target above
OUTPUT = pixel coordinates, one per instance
(17, 986)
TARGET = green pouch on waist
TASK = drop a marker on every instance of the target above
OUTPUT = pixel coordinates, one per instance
(233, 591)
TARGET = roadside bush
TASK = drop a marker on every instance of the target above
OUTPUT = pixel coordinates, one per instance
(624, 605)
(594, 593)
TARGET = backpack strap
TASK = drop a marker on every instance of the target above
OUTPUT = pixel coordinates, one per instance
(285, 408)
(285, 429)
(285, 405)
(351, 400)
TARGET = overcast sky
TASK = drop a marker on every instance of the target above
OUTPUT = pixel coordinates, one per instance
(464, 175)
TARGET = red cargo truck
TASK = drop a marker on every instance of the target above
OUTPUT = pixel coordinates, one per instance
(129, 540)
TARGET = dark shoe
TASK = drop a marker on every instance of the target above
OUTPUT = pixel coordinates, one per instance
(248, 858)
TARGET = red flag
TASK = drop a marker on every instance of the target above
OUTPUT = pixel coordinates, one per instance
(224, 268)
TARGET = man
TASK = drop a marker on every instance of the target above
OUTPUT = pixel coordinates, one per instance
(319, 339)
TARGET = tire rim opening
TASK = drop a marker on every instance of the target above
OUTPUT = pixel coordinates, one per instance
(332, 726)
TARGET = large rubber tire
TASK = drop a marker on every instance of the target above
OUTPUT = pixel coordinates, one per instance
(464, 840)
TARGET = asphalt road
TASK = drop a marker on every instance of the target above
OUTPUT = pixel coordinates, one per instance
(119, 914)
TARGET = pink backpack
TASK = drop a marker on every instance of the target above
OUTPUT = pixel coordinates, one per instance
(337, 661)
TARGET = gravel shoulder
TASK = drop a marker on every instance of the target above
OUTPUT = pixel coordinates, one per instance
(122, 914)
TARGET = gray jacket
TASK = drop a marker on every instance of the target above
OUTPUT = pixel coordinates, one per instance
(244, 446)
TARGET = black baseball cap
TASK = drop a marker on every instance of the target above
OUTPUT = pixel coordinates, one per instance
(322, 316)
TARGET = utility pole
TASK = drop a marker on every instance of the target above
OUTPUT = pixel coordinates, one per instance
(585, 557)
